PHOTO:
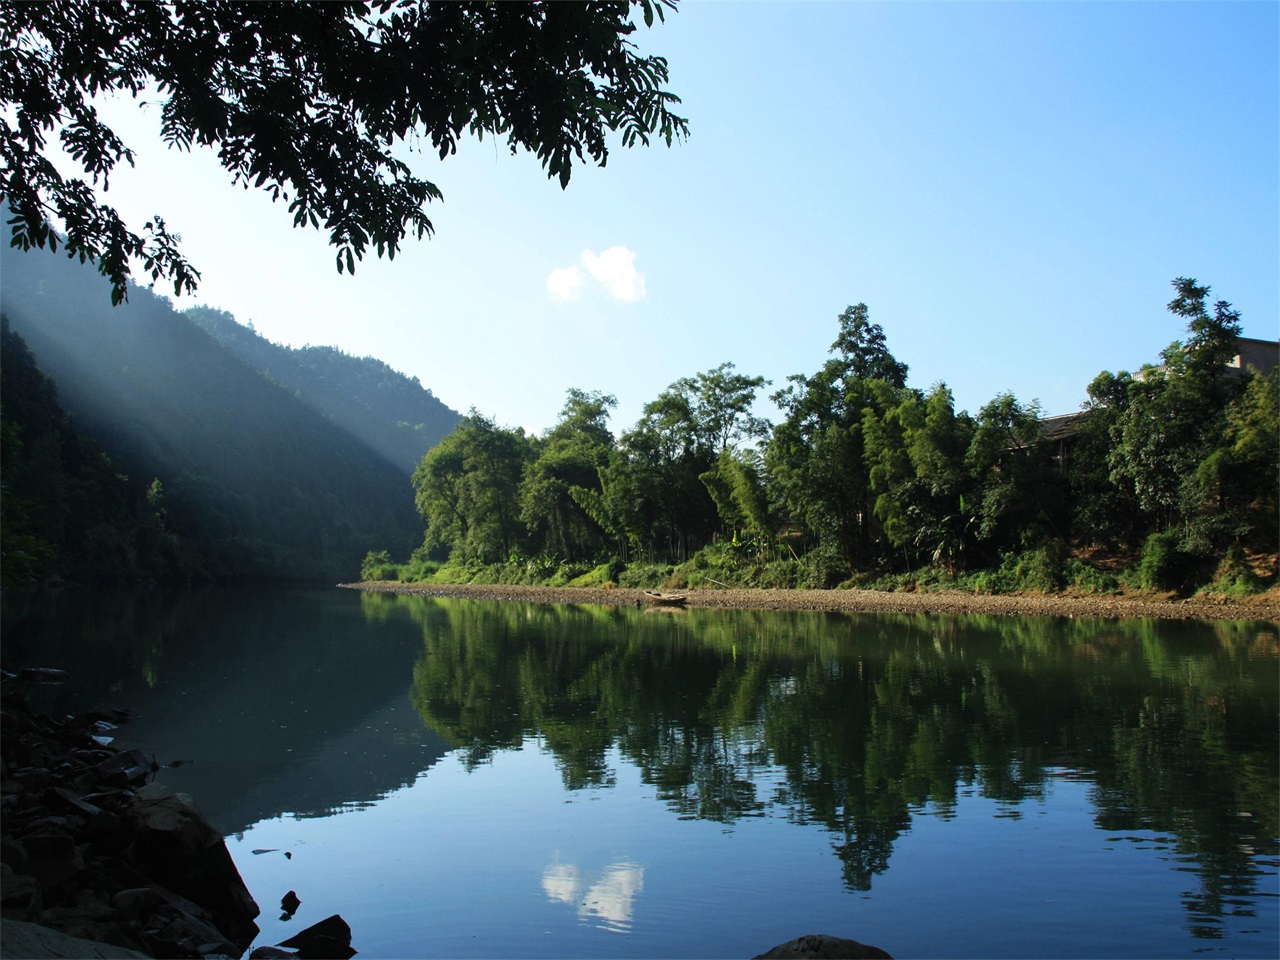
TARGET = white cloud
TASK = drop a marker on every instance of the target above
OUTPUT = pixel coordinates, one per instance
(565, 283)
(614, 269)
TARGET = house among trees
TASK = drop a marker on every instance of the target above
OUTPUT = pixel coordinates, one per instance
(1062, 430)
(1262, 354)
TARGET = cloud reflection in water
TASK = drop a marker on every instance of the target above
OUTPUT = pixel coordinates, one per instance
(610, 900)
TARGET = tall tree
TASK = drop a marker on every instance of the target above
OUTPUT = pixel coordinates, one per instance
(923, 494)
(1174, 418)
(816, 456)
(676, 451)
(467, 489)
(1020, 496)
(1250, 458)
(309, 101)
(1104, 512)
(560, 494)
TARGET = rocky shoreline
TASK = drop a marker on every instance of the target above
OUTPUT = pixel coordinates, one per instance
(1262, 607)
(97, 859)
(92, 847)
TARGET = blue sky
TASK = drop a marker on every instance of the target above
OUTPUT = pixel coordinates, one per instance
(1009, 187)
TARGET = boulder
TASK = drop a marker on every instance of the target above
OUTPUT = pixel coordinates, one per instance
(820, 946)
(20, 896)
(330, 939)
(53, 858)
(171, 932)
(177, 848)
(33, 942)
(44, 675)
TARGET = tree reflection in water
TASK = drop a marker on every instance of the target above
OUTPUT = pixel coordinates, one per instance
(860, 723)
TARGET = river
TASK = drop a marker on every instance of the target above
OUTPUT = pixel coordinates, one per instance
(465, 778)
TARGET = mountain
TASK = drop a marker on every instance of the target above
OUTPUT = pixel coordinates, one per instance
(277, 487)
(389, 411)
(65, 510)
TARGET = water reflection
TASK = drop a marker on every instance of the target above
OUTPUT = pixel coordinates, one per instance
(609, 900)
(281, 702)
(860, 723)
(311, 703)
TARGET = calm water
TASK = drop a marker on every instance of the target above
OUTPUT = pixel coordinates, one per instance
(477, 779)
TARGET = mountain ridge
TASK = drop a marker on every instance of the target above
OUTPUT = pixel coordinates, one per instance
(246, 460)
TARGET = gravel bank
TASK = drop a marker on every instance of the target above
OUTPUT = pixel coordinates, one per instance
(1264, 607)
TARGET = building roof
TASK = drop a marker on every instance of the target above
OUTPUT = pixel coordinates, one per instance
(1064, 426)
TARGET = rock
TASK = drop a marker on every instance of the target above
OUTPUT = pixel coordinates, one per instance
(53, 859)
(325, 948)
(33, 942)
(73, 802)
(122, 769)
(290, 903)
(44, 675)
(111, 716)
(20, 896)
(171, 932)
(820, 946)
(179, 849)
(88, 853)
(90, 917)
(271, 953)
(330, 939)
(14, 854)
(137, 902)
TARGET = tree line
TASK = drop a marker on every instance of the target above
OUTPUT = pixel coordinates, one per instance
(1173, 469)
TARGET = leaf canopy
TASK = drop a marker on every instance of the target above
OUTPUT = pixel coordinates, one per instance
(309, 102)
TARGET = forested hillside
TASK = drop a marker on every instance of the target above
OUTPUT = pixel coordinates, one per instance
(64, 509)
(276, 488)
(389, 411)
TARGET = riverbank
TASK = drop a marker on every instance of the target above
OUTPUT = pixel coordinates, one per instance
(1261, 607)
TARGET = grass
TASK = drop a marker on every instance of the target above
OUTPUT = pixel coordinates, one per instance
(1047, 570)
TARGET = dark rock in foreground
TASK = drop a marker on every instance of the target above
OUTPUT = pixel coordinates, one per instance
(93, 851)
(31, 941)
(819, 946)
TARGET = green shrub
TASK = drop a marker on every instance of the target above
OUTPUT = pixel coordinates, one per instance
(1163, 564)
(566, 572)
(647, 576)
(378, 565)
(1042, 570)
(1087, 578)
(1234, 577)
(419, 568)
(822, 569)
(595, 577)
(455, 571)
(777, 575)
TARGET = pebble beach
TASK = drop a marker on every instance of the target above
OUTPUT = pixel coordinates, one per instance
(1259, 608)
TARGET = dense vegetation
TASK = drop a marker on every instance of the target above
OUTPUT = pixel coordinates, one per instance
(1169, 476)
(252, 467)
